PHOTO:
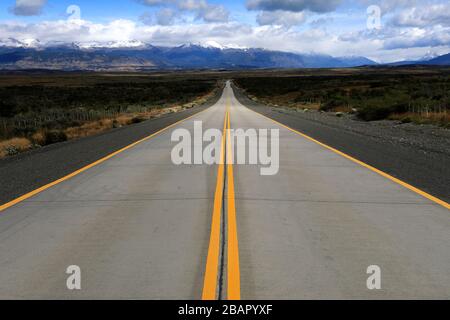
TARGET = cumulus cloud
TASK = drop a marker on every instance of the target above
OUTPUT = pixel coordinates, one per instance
(28, 7)
(235, 33)
(319, 6)
(70, 31)
(202, 9)
(289, 13)
(281, 18)
(392, 38)
(166, 16)
(419, 38)
(410, 25)
(388, 6)
(438, 14)
(214, 13)
(321, 22)
(146, 18)
(424, 25)
(407, 33)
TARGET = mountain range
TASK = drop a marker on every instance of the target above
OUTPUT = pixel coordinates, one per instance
(135, 55)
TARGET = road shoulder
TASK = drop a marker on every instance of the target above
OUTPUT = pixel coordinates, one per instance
(420, 164)
(31, 170)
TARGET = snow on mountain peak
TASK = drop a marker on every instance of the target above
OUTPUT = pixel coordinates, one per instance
(20, 43)
(217, 45)
(34, 43)
(111, 44)
(429, 56)
(135, 44)
(213, 44)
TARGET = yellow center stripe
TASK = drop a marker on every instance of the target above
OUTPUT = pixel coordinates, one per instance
(210, 288)
(233, 273)
(212, 261)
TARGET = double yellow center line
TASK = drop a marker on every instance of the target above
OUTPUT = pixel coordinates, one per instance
(213, 269)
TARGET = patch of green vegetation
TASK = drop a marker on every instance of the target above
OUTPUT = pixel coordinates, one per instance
(375, 94)
(52, 103)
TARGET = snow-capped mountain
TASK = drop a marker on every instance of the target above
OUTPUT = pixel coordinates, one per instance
(111, 44)
(32, 53)
(216, 45)
(35, 43)
(440, 60)
(20, 43)
(430, 59)
(429, 56)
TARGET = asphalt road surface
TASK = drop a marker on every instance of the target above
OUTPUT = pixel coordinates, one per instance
(141, 227)
(421, 165)
(45, 165)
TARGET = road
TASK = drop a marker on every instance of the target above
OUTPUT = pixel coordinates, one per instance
(415, 154)
(141, 227)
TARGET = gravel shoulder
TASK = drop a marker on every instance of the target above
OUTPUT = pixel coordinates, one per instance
(30, 170)
(417, 154)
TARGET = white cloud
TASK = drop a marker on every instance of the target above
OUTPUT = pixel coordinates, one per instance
(192, 4)
(388, 6)
(70, 31)
(28, 7)
(392, 38)
(166, 16)
(425, 16)
(411, 40)
(294, 5)
(411, 29)
(289, 13)
(237, 34)
(281, 18)
(202, 9)
(214, 13)
(147, 18)
(419, 38)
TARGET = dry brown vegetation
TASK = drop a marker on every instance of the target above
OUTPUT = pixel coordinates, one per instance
(38, 110)
(14, 146)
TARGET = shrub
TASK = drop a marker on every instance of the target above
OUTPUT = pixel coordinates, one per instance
(14, 146)
(374, 113)
(39, 138)
(49, 137)
(331, 104)
(138, 119)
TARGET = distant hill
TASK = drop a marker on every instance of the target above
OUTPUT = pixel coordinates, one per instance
(437, 61)
(134, 55)
(440, 61)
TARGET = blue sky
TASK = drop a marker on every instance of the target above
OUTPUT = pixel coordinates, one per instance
(391, 30)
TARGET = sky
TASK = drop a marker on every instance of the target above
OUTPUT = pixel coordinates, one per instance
(382, 30)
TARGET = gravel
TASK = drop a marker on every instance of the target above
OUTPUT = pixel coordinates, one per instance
(423, 138)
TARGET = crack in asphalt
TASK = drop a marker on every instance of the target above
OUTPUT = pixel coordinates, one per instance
(221, 284)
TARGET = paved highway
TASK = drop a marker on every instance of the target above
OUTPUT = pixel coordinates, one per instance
(141, 227)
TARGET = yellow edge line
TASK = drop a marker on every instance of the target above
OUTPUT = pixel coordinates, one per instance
(233, 272)
(384, 174)
(212, 260)
(73, 174)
